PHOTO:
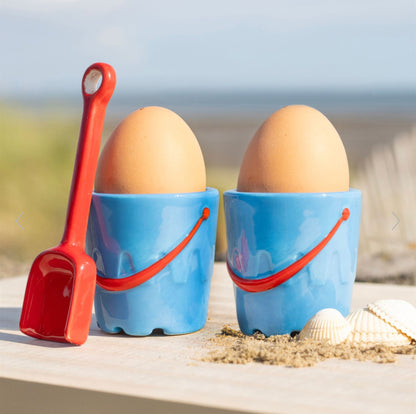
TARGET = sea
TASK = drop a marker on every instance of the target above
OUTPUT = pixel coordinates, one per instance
(220, 103)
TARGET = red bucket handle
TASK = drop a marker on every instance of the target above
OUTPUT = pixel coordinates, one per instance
(276, 279)
(116, 285)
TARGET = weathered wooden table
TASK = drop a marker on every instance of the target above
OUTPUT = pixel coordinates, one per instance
(117, 373)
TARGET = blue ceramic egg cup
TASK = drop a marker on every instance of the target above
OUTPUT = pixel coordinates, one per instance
(271, 233)
(131, 234)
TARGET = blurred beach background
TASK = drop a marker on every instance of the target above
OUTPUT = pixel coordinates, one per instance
(224, 69)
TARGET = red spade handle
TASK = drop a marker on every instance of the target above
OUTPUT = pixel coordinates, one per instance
(96, 97)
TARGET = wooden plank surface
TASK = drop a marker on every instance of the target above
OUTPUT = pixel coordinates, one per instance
(164, 373)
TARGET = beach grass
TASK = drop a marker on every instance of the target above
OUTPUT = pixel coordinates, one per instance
(387, 180)
(36, 160)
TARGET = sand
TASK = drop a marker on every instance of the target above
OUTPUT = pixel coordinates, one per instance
(233, 347)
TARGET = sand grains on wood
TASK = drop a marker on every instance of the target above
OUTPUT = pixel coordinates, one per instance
(233, 347)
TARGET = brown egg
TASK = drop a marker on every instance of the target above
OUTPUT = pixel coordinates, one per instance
(151, 151)
(296, 150)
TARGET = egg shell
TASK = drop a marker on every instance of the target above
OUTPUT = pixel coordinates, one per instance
(296, 150)
(151, 151)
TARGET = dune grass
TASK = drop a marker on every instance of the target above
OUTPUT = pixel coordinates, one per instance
(387, 180)
(36, 160)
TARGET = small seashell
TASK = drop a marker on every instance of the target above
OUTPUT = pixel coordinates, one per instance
(326, 325)
(398, 313)
(368, 328)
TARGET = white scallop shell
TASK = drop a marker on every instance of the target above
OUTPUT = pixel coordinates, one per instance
(368, 328)
(326, 325)
(398, 313)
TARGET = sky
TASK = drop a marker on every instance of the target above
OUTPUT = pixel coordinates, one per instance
(187, 45)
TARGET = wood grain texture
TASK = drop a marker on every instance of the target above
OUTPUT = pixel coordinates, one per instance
(167, 368)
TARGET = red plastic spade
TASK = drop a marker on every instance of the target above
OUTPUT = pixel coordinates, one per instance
(60, 288)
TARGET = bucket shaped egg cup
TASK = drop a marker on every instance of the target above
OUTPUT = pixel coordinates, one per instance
(291, 255)
(154, 255)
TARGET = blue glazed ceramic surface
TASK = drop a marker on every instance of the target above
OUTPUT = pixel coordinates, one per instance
(267, 232)
(128, 233)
